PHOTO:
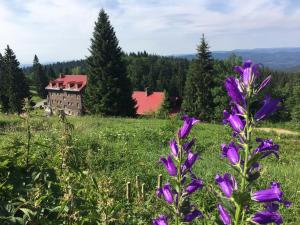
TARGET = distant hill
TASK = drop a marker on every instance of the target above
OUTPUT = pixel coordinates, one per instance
(275, 58)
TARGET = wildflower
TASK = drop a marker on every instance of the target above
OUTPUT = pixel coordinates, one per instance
(174, 147)
(169, 165)
(192, 215)
(248, 72)
(226, 183)
(234, 121)
(269, 107)
(231, 152)
(191, 159)
(224, 215)
(187, 126)
(234, 90)
(269, 195)
(267, 146)
(195, 185)
(161, 220)
(265, 217)
(167, 193)
(188, 145)
(263, 84)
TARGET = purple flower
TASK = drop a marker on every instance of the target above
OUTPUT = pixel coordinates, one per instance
(235, 122)
(269, 106)
(192, 215)
(169, 165)
(224, 215)
(248, 72)
(265, 217)
(231, 152)
(226, 183)
(161, 220)
(234, 90)
(267, 146)
(187, 126)
(194, 186)
(159, 192)
(167, 193)
(188, 145)
(263, 84)
(269, 195)
(174, 147)
(191, 159)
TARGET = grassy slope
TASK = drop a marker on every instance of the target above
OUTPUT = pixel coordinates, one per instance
(124, 148)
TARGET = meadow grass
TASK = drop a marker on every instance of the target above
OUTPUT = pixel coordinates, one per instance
(123, 148)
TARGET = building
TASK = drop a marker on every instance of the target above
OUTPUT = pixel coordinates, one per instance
(65, 93)
(148, 102)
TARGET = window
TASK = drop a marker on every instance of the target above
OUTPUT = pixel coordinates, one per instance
(78, 105)
(78, 96)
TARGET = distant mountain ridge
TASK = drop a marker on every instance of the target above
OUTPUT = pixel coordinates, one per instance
(275, 58)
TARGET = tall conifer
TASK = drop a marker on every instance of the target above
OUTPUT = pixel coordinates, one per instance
(16, 86)
(198, 100)
(108, 90)
(39, 77)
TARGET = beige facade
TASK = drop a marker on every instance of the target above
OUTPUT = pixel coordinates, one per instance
(70, 102)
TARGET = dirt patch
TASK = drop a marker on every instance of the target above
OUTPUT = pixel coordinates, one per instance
(279, 131)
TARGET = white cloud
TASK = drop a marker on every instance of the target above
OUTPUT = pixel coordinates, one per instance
(58, 30)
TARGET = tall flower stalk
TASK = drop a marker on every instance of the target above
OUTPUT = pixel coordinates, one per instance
(184, 182)
(238, 197)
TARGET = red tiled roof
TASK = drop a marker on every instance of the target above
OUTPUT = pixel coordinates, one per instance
(148, 104)
(68, 83)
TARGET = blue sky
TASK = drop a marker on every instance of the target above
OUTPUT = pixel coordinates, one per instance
(60, 30)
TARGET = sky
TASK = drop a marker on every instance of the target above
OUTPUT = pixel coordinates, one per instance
(60, 30)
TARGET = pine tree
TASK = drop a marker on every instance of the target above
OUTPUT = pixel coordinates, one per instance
(39, 77)
(16, 86)
(50, 73)
(3, 83)
(198, 100)
(109, 90)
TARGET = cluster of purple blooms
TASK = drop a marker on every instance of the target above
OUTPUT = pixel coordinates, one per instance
(179, 166)
(236, 198)
(244, 159)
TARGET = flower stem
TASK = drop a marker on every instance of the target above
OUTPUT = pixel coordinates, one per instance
(239, 208)
(179, 178)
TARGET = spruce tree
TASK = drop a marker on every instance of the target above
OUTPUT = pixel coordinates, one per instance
(3, 98)
(16, 85)
(39, 77)
(50, 73)
(108, 90)
(198, 100)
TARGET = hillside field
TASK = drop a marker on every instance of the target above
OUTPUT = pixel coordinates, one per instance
(119, 149)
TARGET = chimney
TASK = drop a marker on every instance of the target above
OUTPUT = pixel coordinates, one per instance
(61, 75)
(148, 91)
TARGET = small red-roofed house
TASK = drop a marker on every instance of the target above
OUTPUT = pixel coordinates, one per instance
(65, 93)
(148, 102)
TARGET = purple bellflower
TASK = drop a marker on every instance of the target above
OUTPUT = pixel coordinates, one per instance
(188, 145)
(161, 220)
(224, 215)
(231, 152)
(265, 217)
(234, 121)
(234, 90)
(195, 185)
(267, 147)
(269, 195)
(174, 147)
(169, 165)
(269, 107)
(248, 72)
(263, 84)
(191, 159)
(192, 215)
(226, 183)
(184, 131)
(167, 193)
